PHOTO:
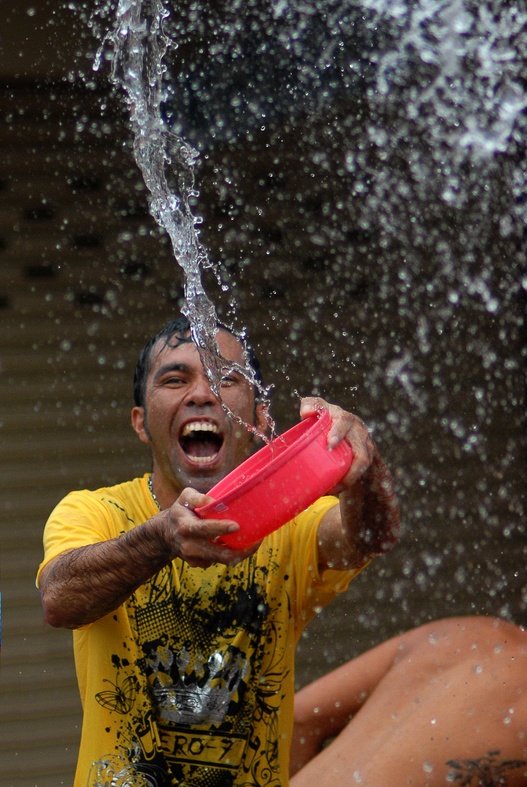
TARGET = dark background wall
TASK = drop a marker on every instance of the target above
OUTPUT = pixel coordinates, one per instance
(426, 340)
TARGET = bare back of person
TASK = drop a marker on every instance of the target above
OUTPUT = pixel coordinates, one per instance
(443, 704)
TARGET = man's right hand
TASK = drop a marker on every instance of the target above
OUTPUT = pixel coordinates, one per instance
(194, 539)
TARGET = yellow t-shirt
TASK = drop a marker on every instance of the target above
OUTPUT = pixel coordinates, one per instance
(191, 681)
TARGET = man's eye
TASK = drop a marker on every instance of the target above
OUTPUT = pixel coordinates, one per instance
(228, 379)
(173, 381)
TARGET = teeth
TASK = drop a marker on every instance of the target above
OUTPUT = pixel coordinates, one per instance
(199, 426)
(194, 427)
(203, 460)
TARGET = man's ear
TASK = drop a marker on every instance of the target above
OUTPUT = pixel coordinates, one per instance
(138, 420)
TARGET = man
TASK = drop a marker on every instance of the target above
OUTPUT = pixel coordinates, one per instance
(184, 647)
(442, 704)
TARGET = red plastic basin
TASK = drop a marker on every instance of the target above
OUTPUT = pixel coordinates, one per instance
(279, 481)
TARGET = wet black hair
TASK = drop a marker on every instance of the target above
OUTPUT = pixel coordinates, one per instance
(178, 329)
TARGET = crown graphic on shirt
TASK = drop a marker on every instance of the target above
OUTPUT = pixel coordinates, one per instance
(203, 694)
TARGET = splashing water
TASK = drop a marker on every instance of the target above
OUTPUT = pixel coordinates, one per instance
(462, 68)
(448, 75)
(442, 89)
(167, 162)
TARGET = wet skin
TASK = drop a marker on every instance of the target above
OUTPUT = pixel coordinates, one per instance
(178, 398)
(441, 704)
(194, 442)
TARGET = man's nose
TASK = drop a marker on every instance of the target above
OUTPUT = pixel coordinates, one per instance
(200, 393)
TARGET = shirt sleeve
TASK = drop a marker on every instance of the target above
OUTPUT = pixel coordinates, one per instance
(315, 589)
(80, 519)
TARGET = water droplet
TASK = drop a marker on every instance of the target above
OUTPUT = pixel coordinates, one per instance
(508, 718)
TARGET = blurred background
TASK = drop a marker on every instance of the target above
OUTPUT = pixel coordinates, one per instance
(361, 179)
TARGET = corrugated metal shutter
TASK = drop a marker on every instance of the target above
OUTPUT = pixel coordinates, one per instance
(65, 391)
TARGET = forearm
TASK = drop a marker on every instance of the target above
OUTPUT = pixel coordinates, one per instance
(84, 584)
(321, 711)
(326, 706)
(370, 512)
(306, 743)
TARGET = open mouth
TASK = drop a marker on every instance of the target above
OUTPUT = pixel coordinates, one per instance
(201, 441)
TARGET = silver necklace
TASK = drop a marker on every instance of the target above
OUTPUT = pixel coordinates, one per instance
(151, 488)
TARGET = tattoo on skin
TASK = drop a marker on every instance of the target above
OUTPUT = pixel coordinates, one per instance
(488, 771)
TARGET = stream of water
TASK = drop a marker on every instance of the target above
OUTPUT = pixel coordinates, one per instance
(166, 162)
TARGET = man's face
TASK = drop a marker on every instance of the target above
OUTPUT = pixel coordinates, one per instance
(193, 440)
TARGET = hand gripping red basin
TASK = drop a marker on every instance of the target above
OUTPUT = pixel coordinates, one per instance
(279, 481)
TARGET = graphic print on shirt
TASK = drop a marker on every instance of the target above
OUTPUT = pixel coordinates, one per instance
(210, 670)
(119, 698)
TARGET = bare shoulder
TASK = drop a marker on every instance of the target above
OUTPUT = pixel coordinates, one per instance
(450, 707)
(464, 636)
